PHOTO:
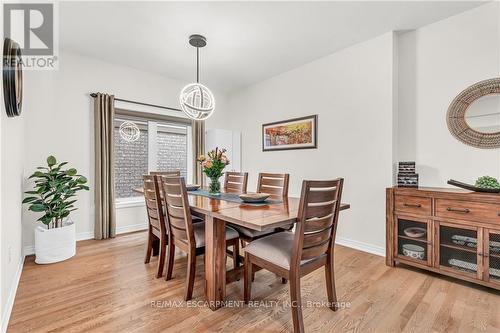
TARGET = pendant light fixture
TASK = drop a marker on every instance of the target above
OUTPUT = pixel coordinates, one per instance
(197, 101)
(129, 131)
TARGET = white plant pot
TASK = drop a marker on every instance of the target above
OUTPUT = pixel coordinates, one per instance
(54, 245)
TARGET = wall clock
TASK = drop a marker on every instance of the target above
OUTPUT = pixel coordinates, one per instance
(12, 78)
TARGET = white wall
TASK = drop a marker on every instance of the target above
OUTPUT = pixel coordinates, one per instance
(352, 93)
(436, 63)
(59, 121)
(12, 163)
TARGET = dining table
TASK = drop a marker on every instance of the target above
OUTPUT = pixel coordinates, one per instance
(217, 212)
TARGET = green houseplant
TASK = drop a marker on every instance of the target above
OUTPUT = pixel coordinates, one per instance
(54, 195)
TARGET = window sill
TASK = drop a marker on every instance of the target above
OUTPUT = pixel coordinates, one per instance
(128, 203)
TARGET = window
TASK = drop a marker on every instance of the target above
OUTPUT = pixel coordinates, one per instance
(172, 148)
(162, 146)
(131, 162)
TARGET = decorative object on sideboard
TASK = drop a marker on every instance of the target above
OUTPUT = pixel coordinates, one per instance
(414, 251)
(54, 195)
(196, 100)
(297, 133)
(473, 117)
(12, 74)
(406, 175)
(415, 232)
(475, 188)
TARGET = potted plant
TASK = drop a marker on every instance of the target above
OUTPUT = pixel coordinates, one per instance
(213, 165)
(54, 196)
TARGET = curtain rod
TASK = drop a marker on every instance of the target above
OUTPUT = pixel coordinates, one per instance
(94, 95)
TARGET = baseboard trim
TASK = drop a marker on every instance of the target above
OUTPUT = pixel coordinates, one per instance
(365, 247)
(12, 296)
(131, 228)
(30, 249)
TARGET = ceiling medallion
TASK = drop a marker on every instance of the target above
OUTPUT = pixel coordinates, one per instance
(196, 100)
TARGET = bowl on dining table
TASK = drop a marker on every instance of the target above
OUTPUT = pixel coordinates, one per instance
(192, 187)
(254, 197)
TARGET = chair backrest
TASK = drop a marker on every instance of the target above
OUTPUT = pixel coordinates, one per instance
(154, 206)
(236, 181)
(175, 173)
(273, 183)
(317, 218)
(178, 212)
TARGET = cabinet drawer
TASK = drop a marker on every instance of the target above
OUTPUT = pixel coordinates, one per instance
(468, 210)
(415, 205)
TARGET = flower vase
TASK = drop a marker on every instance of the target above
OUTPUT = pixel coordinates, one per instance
(214, 187)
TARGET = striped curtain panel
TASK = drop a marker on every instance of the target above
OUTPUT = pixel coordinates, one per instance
(104, 188)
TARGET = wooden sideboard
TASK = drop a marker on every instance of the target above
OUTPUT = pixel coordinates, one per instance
(462, 232)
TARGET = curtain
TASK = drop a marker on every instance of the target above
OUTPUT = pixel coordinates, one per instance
(104, 114)
(198, 149)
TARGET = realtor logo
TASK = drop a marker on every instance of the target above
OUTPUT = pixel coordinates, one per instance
(32, 26)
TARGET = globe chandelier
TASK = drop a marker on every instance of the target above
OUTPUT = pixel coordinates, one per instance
(196, 100)
(129, 131)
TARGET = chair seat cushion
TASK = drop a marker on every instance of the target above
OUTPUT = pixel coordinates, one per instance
(199, 234)
(252, 234)
(276, 248)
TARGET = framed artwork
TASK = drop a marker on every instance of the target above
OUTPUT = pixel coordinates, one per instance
(297, 133)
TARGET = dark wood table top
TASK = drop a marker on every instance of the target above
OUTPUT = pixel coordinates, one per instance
(254, 217)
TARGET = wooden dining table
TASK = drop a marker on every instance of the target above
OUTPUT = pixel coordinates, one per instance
(216, 213)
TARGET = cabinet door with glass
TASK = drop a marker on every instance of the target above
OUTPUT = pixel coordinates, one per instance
(413, 241)
(459, 249)
(491, 254)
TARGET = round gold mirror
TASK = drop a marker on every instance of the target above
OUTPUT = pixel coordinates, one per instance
(474, 115)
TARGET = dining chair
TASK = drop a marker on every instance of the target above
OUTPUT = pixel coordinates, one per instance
(294, 255)
(173, 173)
(275, 184)
(236, 182)
(157, 228)
(166, 173)
(183, 233)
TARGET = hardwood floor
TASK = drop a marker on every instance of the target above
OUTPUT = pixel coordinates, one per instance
(108, 288)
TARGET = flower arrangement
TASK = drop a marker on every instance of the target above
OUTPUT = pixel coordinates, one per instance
(213, 165)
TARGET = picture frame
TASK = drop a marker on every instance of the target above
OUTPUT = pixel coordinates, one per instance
(295, 133)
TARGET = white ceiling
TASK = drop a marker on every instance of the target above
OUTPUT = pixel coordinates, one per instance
(247, 41)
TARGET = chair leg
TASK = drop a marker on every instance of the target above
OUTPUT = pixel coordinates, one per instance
(149, 248)
(247, 279)
(236, 254)
(330, 284)
(170, 259)
(155, 246)
(161, 257)
(298, 321)
(190, 275)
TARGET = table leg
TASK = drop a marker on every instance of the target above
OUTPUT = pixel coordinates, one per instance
(215, 261)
